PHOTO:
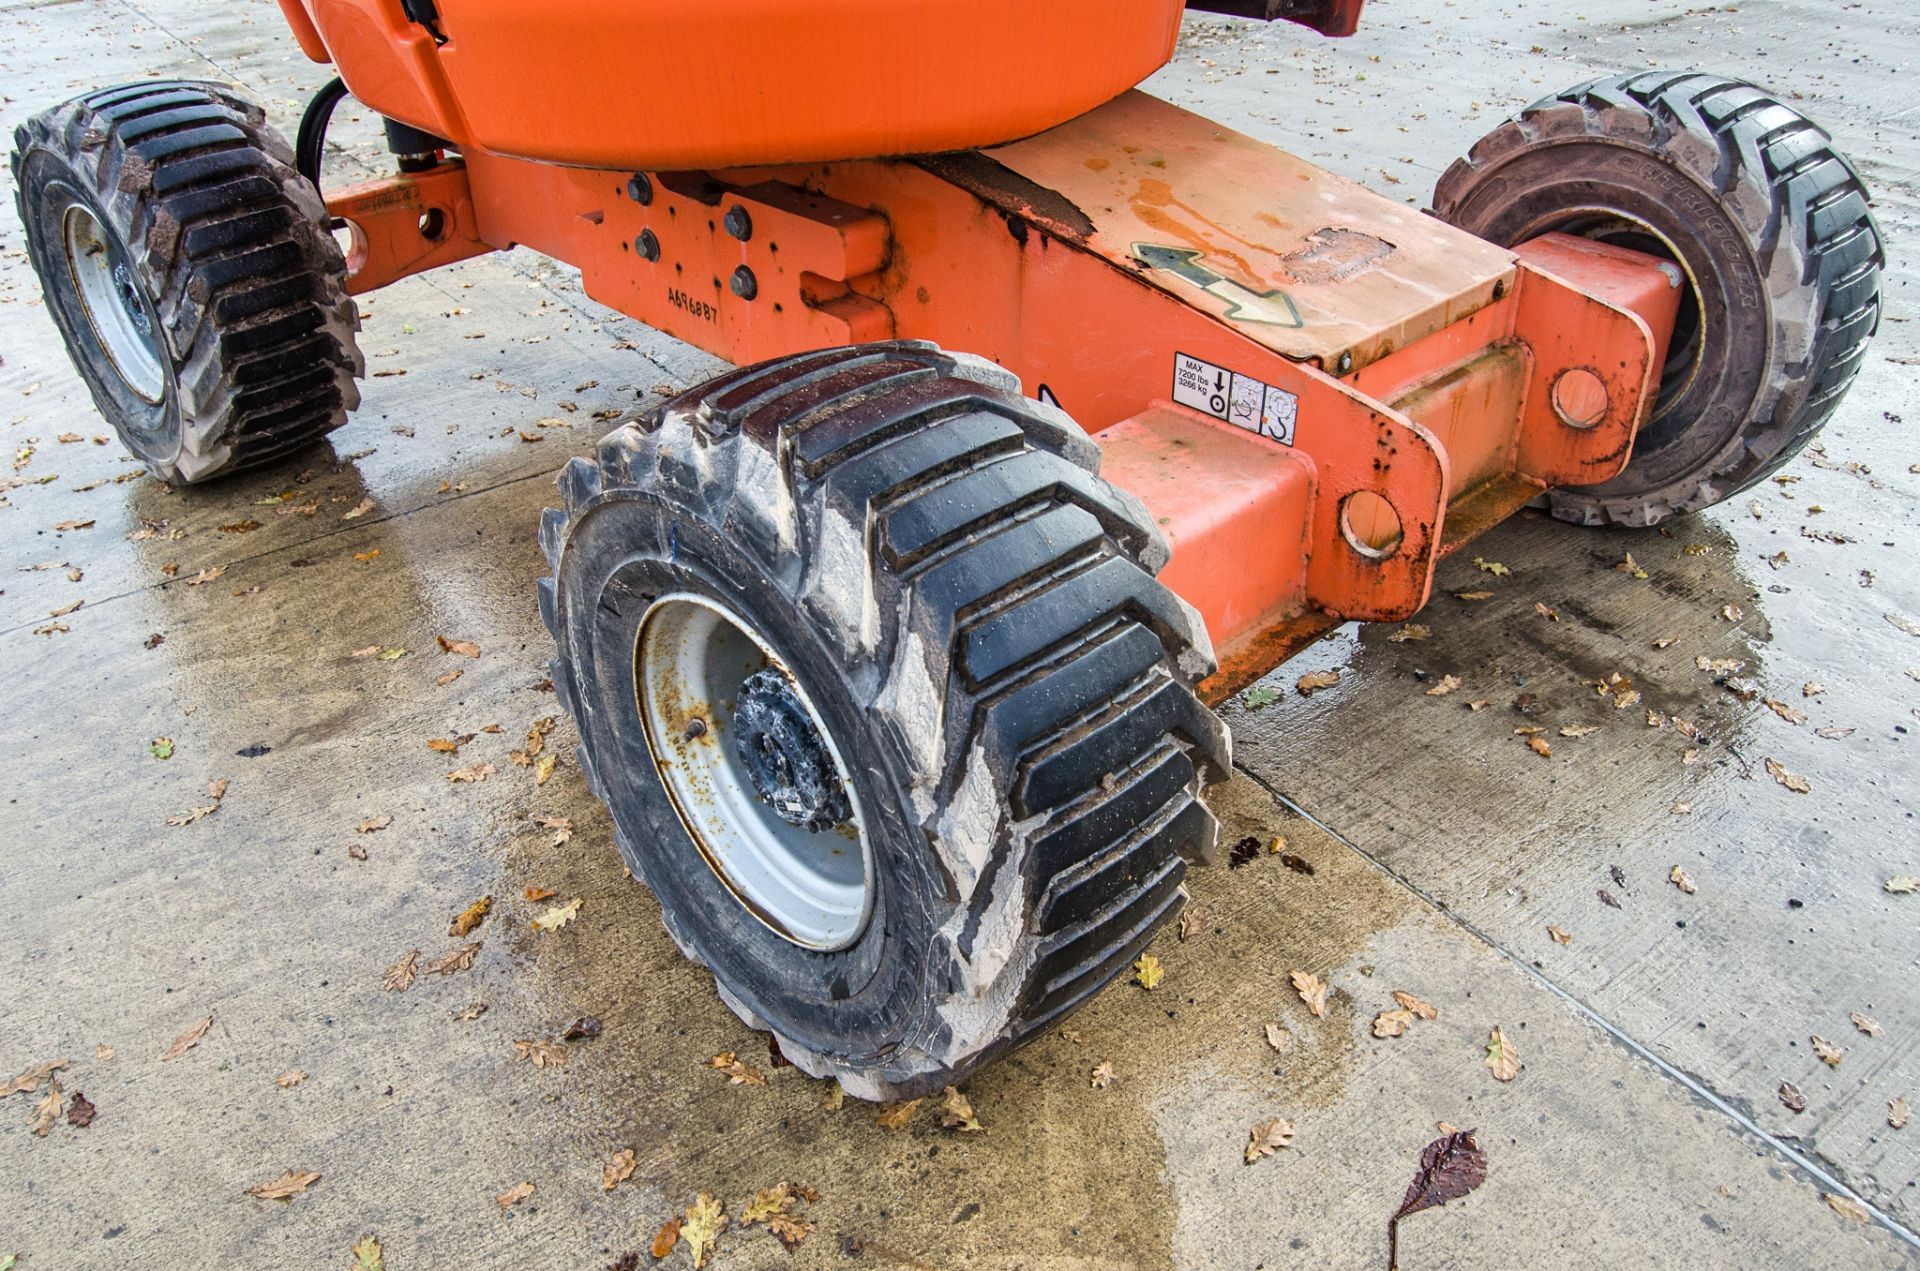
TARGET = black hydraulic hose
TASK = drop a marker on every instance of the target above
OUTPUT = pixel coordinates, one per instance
(311, 142)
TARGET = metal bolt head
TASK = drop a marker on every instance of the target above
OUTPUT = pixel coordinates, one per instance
(744, 284)
(640, 189)
(647, 245)
(1345, 363)
(738, 223)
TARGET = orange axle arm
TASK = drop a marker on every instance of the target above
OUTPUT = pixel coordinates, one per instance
(1316, 390)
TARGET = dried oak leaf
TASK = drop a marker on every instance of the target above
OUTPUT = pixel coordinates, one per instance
(666, 1238)
(618, 1170)
(399, 976)
(555, 917)
(1268, 1137)
(1791, 1097)
(739, 1071)
(542, 1053)
(285, 1187)
(1313, 681)
(1278, 1037)
(705, 1219)
(1560, 936)
(513, 1195)
(1828, 1053)
(895, 1116)
(32, 1078)
(459, 960)
(1849, 1208)
(80, 1112)
(47, 1111)
(1445, 685)
(1411, 631)
(289, 1079)
(1681, 879)
(477, 772)
(467, 919)
(1392, 1023)
(1312, 990)
(465, 648)
(956, 1112)
(544, 769)
(1866, 1024)
(187, 1040)
(1425, 1010)
(1791, 780)
(1192, 919)
(1501, 1057)
(539, 893)
(586, 1028)
(1450, 1167)
(1897, 1112)
(1102, 1075)
(1148, 972)
(375, 823)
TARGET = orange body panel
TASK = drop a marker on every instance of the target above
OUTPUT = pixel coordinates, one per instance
(1305, 468)
(667, 84)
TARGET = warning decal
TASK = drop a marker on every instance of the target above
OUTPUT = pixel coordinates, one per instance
(1239, 399)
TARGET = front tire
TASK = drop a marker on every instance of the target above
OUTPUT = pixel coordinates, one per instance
(1768, 221)
(890, 542)
(191, 272)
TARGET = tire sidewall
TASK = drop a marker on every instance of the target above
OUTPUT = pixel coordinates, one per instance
(856, 1004)
(152, 430)
(1537, 190)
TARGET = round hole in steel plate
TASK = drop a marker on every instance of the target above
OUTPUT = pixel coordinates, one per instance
(1370, 525)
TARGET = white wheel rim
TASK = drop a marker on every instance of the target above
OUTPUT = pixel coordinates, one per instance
(108, 293)
(814, 888)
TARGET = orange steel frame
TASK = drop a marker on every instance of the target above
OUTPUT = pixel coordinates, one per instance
(1438, 383)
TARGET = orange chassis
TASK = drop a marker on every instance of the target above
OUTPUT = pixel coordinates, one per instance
(1316, 391)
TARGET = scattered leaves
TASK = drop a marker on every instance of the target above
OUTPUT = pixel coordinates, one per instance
(47, 1112)
(368, 1255)
(1102, 1075)
(465, 648)
(618, 1170)
(187, 1040)
(1501, 1056)
(1445, 685)
(474, 773)
(1425, 1010)
(1791, 1097)
(399, 976)
(555, 917)
(1260, 695)
(542, 1053)
(1278, 1038)
(472, 916)
(895, 1116)
(1392, 1023)
(513, 1195)
(1313, 681)
(289, 1079)
(459, 960)
(32, 1078)
(1493, 567)
(1680, 878)
(775, 1208)
(1559, 935)
(739, 1072)
(704, 1221)
(1849, 1208)
(956, 1112)
(1148, 972)
(1866, 1024)
(1897, 1113)
(1268, 1137)
(1450, 1167)
(285, 1187)
(1312, 990)
(1411, 631)
(1791, 780)
(1828, 1053)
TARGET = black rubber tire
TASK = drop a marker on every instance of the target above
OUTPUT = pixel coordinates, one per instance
(975, 615)
(229, 258)
(1770, 223)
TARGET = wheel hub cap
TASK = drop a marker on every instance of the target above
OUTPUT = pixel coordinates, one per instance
(784, 754)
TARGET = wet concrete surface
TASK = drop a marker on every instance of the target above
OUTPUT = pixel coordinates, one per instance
(1643, 1131)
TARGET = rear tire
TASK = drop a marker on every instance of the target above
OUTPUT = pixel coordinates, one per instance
(1767, 219)
(969, 616)
(191, 272)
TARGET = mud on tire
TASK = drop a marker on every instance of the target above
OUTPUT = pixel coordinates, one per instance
(220, 335)
(1770, 224)
(974, 614)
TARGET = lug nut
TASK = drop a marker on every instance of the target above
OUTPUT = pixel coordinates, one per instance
(738, 223)
(640, 189)
(744, 284)
(647, 245)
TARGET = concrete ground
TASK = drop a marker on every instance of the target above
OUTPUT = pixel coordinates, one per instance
(1645, 1129)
